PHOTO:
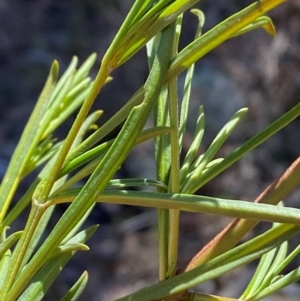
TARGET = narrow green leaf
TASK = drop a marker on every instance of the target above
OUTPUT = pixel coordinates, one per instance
(69, 248)
(188, 80)
(194, 148)
(8, 242)
(192, 182)
(76, 290)
(282, 265)
(174, 181)
(264, 22)
(27, 144)
(271, 273)
(63, 79)
(280, 283)
(56, 104)
(121, 183)
(69, 105)
(260, 273)
(4, 266)
(85, 68)
(192, 203)
(252, 143)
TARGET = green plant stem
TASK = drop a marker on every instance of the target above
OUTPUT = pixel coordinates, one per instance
(35, 215)
(162, 159)
(174, 182)
(163, 237)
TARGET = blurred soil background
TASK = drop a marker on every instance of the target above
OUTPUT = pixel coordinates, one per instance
(253, 70)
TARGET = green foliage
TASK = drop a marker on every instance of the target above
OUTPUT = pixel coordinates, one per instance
(27, 271)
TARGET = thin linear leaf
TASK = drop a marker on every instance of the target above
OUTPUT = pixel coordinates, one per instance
(84, 69)
(56, 104)
(188, 80)
(192, 182)
(286, 261)
(252, 143)
(27, 144)
(282, 282)
(260, 273)
(76, 290)
(4, 266)
(174, 180)
(264, 22)
(194, 148)
(8, 242)
(64, 79)
(192, 203)
(271, 272)
(135, 182)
